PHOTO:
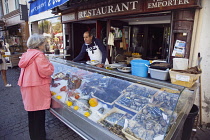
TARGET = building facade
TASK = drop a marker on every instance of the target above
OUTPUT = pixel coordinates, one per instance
(15, 17)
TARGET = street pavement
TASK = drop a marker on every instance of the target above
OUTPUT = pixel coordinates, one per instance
(14, 119)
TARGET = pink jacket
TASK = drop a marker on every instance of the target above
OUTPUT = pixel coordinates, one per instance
(34, 80)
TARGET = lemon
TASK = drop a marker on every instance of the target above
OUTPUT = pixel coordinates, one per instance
(76, 107)
(53, 93)
(86, 114)
(69, 103)
(58, 97)
(93, 102)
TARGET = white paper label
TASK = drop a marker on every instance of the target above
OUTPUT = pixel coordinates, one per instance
(182, 78)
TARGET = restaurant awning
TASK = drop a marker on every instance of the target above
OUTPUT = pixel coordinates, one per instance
(1, 23)
(37, 6)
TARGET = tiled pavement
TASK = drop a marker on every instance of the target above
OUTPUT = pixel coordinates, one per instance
(14, 122)
(14, 119)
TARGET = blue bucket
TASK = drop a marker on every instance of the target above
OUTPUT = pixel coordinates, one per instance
(139, 67)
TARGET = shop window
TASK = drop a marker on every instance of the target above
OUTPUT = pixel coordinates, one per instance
(6, 6)
(52, 30)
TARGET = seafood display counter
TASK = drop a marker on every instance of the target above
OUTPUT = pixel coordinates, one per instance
(100, 103)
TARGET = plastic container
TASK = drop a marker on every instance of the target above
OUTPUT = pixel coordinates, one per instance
(139, 67)
(159, 74)
(180, 63)
(183, 79)
(189, 122)
(160, 65)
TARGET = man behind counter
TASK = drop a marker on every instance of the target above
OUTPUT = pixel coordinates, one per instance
(95, 49)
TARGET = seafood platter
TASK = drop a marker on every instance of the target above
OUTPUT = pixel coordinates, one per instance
(129, 110)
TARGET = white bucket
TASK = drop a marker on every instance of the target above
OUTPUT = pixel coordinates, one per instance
(180, 63)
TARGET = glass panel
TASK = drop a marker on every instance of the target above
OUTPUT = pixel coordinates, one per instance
(126, 108)
(52, 30)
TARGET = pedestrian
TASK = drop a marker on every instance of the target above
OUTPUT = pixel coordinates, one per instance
(95, 49)
(3, 65)
(34, 82)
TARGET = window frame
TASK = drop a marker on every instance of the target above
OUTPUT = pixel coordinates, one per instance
(6, 6)
(17, 4)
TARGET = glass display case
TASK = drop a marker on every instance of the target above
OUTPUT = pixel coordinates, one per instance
(96, 102)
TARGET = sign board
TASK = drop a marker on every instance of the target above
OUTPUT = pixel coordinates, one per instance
(23, 12)
(68, 17)
(157, 5)
(43, 5)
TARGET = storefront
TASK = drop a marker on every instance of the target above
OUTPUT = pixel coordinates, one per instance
(15, 34)
(149, 28)
(127, 106)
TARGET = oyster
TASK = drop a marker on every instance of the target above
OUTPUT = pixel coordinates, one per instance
(133, 101)
(101, 110)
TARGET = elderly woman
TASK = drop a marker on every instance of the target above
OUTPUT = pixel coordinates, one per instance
(34, 82)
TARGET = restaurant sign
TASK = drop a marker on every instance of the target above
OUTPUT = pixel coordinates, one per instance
(111, 9)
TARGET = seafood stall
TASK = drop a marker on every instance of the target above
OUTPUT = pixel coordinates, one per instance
(100, 103)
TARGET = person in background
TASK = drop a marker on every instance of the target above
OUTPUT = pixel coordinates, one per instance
(3, 66)
(95, 49)
(34, 82)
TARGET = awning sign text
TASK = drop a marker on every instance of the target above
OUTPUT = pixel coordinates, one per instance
(43, 5)
(166, 3)
(115, 8)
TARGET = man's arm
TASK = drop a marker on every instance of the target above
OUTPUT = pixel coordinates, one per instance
(81, 54)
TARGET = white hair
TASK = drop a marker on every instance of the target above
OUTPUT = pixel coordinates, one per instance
(35, 40)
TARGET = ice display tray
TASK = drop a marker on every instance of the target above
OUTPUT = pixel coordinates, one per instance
(131, 102)
(140, 90)
(149, 123)
(165, 100)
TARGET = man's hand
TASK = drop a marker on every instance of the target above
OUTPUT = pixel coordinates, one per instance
(100, 65)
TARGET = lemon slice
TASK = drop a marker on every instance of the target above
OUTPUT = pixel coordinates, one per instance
(76, 107)
(86, 114)
(58, 97)
(69, 103)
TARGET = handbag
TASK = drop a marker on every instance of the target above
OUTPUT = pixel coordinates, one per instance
(1, 61)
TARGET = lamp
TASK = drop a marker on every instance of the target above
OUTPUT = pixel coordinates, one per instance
(56, 10)
(31, 1)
